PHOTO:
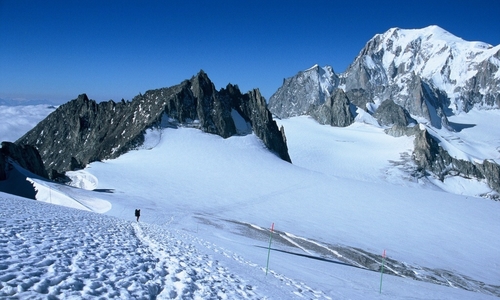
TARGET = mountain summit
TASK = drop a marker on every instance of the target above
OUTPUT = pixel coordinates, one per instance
(429, 72)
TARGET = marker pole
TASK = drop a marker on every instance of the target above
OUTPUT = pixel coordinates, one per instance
(269, 248)
(382, 272)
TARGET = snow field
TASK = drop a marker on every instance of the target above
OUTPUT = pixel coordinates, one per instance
(344, 188)
(191, 172)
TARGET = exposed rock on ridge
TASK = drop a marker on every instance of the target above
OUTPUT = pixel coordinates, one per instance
(431, 157)
(389, 114)
(300, 93)
(336, 111)
(82, 131)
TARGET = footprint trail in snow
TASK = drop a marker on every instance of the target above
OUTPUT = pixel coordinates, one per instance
(56, 252)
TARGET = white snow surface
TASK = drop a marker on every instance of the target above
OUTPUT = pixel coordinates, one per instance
(197, 191)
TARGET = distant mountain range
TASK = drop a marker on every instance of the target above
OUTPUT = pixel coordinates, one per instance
(402, 78)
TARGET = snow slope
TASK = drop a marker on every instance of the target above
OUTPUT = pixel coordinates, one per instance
(207, 204)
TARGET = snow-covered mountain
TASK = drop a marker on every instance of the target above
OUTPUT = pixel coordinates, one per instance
(207, 204)
(403, 78)
(427, 71)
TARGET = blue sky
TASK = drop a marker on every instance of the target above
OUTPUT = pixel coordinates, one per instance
(110, 49)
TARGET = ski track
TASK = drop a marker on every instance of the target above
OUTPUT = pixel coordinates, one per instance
(54, 252)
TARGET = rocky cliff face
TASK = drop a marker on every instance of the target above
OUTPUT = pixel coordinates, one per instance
(13, 158)
(335, 111)
(253, 108)
(300, 93)
(82, 131)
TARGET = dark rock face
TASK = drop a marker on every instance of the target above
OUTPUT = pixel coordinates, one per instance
(82, 131)
(252, 106)
(300, 93)
(336, 111)
(360, 98)
(429, 156)
(491, 172)
(482, 89)
(389, 113)
(12, 181)
(26, 156)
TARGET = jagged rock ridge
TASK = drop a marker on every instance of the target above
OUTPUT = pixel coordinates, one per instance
(82, 131)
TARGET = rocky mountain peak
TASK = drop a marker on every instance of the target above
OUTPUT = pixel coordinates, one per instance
(425, 71)
(82, 131)
(309, 88)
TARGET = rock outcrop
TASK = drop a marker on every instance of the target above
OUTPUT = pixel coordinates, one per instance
(253, 108)
(429, 156)
(335, 111)
(25, 155)
(82, 131)
(300, 93)
(389, 114)
(15, 162)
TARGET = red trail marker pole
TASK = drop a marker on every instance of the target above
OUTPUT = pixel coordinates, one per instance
(269, 248)
(382, 271)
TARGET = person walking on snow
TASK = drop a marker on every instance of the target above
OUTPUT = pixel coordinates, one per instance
(137, 214)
